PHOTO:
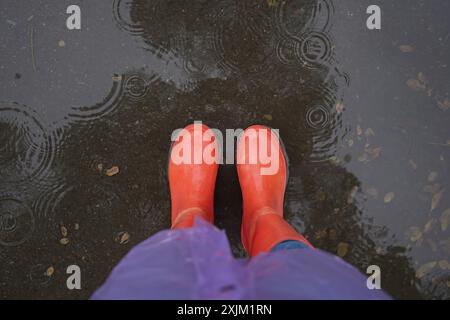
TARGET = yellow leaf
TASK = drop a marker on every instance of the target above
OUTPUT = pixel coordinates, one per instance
(445, 217)
(389, 197)
(112, 171)
(435, 199)
(342, 249)
(50, 271)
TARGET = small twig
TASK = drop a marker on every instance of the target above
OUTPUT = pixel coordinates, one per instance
(33, 58)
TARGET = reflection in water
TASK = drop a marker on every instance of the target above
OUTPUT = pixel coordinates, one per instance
(238, 63)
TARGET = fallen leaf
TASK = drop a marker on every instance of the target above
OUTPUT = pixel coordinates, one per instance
(64, 241)
(414, 234)
(369, 132)
(350, 142)
(112, 171)
(405, 48)
(389, 197)
(432, 176)
(342, 249)
(444, 104)
(340, 107)
(100, 167)
(428, 226)
(435, 199)
(424, 269)
(352, 194)
(61, 43)
(445, 218)
(50, 271)
(415, 85)
(123, 237)
(77, 226)
(64, 231)
(421, 77)
(413, 164)
(116, 77)
(374, 152)
(359, 130)
(268, 117)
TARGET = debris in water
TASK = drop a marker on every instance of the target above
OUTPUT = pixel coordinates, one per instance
(389, 197)
(405, 48)
(414, 234)
(122, 237)
(112, 171)
(432, 176)
(64, 231)
(424, 269)
(50, 271)
(444, 219)
(435, 199)
(342, 249)
(444, 104)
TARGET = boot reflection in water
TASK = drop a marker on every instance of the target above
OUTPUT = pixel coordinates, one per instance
(193, 260)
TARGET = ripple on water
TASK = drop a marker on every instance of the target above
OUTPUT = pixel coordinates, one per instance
(27, 147)
(294, 18)
(323, 123)
(133, 86)
(17, 222)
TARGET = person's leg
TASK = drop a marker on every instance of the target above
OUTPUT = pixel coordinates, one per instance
(192, 175)
(262, 170)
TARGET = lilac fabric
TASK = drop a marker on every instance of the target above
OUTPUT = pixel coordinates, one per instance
(197, 263)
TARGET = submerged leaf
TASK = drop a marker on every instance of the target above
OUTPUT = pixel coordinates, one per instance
(445, 218)
(414, 234)
(389, 197)
(342, 249)
(50, 271)
(112, 171)
(435, 199)
(424, 269)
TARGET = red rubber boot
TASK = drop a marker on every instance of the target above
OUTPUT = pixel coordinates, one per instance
(263, 226)
(192, 175)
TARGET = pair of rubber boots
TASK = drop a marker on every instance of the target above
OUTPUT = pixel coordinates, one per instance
(192, 178)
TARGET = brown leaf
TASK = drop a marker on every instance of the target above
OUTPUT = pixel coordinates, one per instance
(415, 85)
(64, 231)
(342, 249)
(268, 117)
(445, 218)
(414, 234)
(424, 269)
(50, 271)
(340, 107)
(112, 171)
(123, 237)
(435, 199)
(444, 104)
(405, 48)
(389, 197)
(64, 241)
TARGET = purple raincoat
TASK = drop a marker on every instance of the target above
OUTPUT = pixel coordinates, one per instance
(197, 263)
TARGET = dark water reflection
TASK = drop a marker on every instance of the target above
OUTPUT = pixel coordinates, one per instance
(114, 92)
